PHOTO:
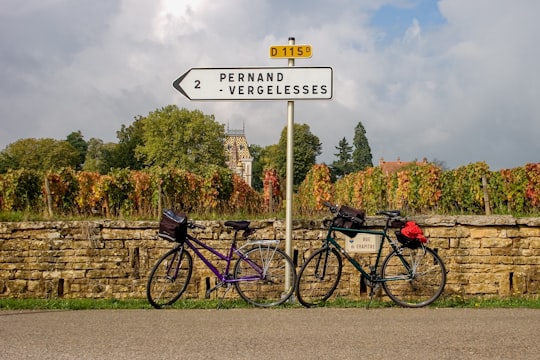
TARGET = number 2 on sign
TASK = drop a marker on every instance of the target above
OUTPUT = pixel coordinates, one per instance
(197, 84)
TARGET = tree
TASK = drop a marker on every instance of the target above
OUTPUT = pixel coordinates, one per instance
(306, 149)
(129, 138)
(94, 156)
(77, 141)
(174, 137)
(99, 155)
(269, 157)
(257, 167)
(361, 156)
(39, 154)
(343, 165)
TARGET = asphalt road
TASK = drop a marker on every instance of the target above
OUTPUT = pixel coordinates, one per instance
(321, 333)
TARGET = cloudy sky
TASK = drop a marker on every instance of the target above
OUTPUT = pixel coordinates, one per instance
(456, 81)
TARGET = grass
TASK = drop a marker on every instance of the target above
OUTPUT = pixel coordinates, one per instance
(111, 304)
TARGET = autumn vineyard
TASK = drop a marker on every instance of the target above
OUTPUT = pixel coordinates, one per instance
(416, 189)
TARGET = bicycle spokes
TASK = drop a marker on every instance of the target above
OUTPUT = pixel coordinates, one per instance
(260, 276)
(414, 277)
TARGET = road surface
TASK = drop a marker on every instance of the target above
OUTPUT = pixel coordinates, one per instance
(297, 333)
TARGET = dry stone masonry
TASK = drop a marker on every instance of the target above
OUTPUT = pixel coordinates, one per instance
(484, 256)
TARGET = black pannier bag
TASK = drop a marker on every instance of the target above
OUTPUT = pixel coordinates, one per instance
(173, 226)
(344, 219)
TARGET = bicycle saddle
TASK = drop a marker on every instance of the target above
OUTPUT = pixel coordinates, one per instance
(237, 225)
(390, 213)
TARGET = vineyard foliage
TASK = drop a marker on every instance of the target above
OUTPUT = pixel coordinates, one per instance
(415, 188)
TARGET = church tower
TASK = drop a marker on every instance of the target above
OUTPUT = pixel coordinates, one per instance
(239, 159)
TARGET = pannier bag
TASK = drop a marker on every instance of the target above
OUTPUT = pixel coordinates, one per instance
(173, 226)
(411, 235)
(344, 219)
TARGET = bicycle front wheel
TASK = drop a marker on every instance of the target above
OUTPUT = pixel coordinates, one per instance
(169, 278)
(261, 276)
(414, 279)
(319, 277)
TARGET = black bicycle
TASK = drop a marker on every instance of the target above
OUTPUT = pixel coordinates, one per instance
(412, 274)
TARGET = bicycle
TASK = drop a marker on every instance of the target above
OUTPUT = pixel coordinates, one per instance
(412, 274)
(260, 275)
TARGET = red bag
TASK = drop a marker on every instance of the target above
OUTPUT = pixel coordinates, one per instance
(413, 231)
(411, 236)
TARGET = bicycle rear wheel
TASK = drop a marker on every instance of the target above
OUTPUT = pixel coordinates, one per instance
(415, 279)
(261, 276)
(169, 278)
(319, 277)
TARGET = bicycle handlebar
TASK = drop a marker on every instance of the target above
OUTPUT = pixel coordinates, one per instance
(391, 214)
(332, 208)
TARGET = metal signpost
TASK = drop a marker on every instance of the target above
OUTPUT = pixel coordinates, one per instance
(265, 83)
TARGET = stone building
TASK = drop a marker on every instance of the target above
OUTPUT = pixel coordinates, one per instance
(239, 159)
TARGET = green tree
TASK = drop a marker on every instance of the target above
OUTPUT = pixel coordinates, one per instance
(99, 155)
(257, 167)
(129, 138)
(181, 138)
(343, 165)
(269, 157)
(39, 154)
(306, 149)
(77, 141)
(361, 156)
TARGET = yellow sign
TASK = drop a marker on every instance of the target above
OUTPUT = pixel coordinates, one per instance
(290, 51)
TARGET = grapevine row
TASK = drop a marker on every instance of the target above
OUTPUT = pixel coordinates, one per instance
(416, 189)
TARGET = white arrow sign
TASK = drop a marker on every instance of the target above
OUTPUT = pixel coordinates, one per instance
(259, 83)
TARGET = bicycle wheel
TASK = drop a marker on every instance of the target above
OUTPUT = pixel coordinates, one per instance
(261, 276)
(169, 278)
(319, 277)
(415, 279)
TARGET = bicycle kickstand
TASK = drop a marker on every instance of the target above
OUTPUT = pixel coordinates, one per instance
(218, 286)
(372, 293)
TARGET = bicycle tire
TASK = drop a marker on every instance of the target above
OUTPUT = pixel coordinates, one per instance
(268, 290)
(165, 284)
(319, 277)
(420, 286)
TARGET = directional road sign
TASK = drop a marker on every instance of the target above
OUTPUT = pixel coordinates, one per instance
(259, 83)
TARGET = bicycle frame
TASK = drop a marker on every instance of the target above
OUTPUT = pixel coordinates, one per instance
(224, 277)
(331, 241)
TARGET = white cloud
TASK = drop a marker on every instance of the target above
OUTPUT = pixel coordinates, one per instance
(462, 91)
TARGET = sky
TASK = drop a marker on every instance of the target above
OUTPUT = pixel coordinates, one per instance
(452, 81)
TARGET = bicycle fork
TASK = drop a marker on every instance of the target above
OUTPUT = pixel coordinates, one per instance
(172, 270)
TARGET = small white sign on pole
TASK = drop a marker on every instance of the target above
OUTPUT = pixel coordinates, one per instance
(363, 243)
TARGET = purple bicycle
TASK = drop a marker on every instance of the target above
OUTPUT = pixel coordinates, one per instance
(263, 274)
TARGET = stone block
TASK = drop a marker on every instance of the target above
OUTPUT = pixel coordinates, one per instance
(484, 232)
(495, 242)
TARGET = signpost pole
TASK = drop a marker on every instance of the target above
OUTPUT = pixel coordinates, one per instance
(290, 174)
(266, 83)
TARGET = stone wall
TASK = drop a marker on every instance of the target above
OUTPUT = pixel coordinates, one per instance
(484, 256)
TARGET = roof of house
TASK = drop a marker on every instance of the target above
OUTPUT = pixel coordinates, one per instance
(389, 167)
